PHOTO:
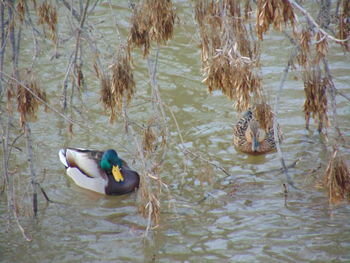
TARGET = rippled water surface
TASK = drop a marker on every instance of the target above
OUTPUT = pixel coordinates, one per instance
(207, 216)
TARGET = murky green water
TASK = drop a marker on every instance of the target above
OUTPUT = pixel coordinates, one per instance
(204, 218)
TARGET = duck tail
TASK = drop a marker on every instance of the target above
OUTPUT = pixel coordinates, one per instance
(63, 158)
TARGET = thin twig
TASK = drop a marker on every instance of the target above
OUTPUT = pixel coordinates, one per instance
(275, 124)
(157, 97)
(31, 166)
(198, 156)
(69, 7)
(281, 170)
(12, 146)
(44, 193)
(332, 92)
(342, 94)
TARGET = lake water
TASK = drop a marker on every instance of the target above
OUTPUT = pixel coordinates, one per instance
(206, 216)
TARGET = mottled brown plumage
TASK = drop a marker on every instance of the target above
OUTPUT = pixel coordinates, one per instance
(249, 137)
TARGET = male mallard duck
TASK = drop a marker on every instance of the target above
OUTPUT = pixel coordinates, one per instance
(249, 137)
(102, 172)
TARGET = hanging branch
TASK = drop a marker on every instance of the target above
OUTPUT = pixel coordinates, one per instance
(229, 57)
(275, 123)
(78, 78)
(157, 98)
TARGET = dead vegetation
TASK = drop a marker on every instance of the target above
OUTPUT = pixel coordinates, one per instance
(275, 12)
(48, 16)
(152, 20)
(304, 43)
(27, 101)
(337, 178)
(264, 115)
(315, 106)
(230, 59)
(120, 87)
(231, 63)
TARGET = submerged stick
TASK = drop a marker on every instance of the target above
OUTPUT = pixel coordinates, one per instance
(29, 143)
(281, 170)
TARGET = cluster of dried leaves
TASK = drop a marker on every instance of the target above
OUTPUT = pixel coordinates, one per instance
(28, 102)
(229, 57)
(315, 87)
(121, 85)
(263, 114)
(152, 20)
(304, 56)
(20, 8)
(337, 178)
(48, 15)
(276, 12)
(321, 47)
(304, 50)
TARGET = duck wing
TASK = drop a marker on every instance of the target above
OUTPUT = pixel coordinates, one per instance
(86, 161)
(240, 128)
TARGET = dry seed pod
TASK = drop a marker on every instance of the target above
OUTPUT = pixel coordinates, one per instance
(316, 98)
(48, 15)
(235, 79)
(337, 178)
(106, 96)
(21, 10)
(321, 46)
(263, 114)
(228, 56)
(121, 85)
(152, 20)
(27, 102)
(276, 12)
(139, 32)
(304, 40)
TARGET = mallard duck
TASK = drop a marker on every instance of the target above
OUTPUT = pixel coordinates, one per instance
(249, 137)
(102, 172)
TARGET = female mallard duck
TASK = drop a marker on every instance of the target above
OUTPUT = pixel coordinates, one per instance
(102, 172)
(249, 137)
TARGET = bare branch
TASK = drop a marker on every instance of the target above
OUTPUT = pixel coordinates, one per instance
(312, 20)
(332, 92)
(275, 123)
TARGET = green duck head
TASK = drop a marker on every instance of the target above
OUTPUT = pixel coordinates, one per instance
(111, 163)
